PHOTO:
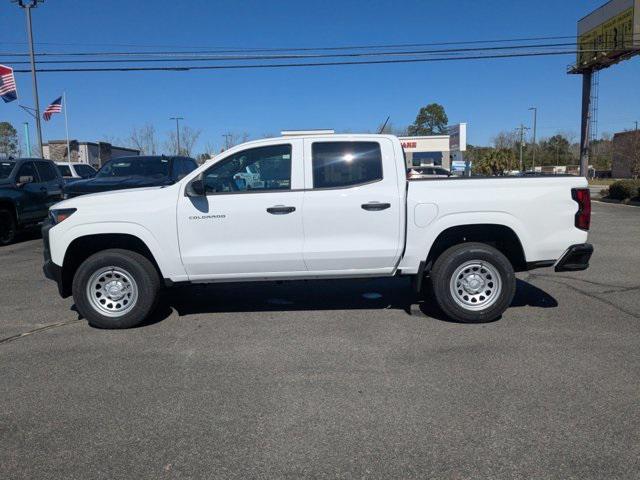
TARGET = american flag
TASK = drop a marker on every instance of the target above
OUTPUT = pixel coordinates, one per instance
(55, 107)
(8, 90)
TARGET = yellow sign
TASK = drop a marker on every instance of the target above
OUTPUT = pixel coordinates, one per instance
(608, 40)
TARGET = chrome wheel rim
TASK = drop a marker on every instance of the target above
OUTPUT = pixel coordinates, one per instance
(475, 285)
(112, 291)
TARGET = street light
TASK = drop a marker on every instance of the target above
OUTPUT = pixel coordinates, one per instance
(535, 121)
(177, 119)
(28, 5)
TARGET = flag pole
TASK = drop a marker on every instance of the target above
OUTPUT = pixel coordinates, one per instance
(66, 126)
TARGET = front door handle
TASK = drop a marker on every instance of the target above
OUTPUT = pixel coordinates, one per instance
(375, 206)
(280, 210)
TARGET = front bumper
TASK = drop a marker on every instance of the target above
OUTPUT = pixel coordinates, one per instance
(576, 258)
(50, 269)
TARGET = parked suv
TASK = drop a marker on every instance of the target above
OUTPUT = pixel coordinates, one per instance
(133, 172)
(28, 187)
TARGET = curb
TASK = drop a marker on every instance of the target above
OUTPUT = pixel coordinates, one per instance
(631, 203)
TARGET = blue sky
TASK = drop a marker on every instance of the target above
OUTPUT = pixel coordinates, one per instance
(489, 95)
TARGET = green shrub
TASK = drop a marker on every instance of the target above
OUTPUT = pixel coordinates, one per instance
(623, 189)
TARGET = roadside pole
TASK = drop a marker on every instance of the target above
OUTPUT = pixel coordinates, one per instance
(66, 126)
(27, 139)
(586, 120)
(27, 8)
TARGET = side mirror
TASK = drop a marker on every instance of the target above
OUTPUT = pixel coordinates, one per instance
(195, 188)
(24, 179)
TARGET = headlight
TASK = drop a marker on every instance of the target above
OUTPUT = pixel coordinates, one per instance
(60, 215)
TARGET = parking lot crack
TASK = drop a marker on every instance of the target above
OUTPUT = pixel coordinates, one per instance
(38, 330)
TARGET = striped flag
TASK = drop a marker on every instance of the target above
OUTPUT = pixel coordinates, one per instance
(55, 107)
(8, 90)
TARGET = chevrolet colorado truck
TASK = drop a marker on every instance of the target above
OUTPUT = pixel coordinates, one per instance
(324, 206)
(28, 187)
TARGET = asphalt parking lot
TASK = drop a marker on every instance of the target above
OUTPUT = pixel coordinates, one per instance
(339, 379)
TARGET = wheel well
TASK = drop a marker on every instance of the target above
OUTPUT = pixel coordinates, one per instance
(8, 205)
(498, 236)
(83, 247)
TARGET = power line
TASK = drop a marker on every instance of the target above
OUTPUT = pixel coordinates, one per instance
(293, 65)
(283, 49)
(197, 57)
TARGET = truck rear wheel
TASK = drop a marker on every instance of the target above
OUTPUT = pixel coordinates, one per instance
(8, 227)
(116, 289)
(473, 282)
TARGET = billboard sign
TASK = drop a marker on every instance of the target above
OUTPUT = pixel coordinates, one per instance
(609, 34)
(457, 137)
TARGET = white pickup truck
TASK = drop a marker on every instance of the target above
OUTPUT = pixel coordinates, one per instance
(324, 206)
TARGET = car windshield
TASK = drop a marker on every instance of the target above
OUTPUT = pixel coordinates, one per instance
(140, 167)
(6, 169)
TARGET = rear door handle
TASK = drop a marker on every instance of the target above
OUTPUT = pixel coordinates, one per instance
(280, 210)
(375, 206)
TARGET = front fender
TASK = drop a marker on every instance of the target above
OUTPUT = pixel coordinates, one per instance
(60, 239)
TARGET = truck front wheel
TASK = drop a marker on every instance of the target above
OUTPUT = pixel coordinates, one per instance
(473, 282)
(8, 227)
(116, 288)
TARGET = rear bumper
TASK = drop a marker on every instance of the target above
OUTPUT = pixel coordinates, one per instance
(50, 269)
(575, 258)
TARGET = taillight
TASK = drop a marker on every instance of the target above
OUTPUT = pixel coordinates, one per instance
(583, 215)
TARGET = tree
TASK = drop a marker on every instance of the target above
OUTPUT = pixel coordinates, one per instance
(431, 120)
(188, 138)
(555, 150)
(144, 139)
(9, 144)
(493, 162)
(506, 139)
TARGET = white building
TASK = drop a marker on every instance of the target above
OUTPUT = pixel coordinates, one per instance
(441, 150)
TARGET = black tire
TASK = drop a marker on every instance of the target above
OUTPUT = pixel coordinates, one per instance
(143, 273)
(8, 227)
(448, 265)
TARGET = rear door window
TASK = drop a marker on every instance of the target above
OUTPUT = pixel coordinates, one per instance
(27, 170)
(345, 164)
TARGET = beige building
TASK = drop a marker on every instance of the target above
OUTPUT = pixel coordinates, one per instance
(95, 154)
(626, 151)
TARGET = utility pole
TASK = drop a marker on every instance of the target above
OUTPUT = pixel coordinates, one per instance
(636, 122)
(535, 126)
(27, 5)
(227, 142)
(177, 119)
(522, 129)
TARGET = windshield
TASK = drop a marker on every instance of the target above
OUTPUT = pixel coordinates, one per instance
(6, 168)
(141, 167)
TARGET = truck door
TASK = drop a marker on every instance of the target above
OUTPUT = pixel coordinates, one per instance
(32, 203)
(51, 181)
(242, 229)
(352, 206)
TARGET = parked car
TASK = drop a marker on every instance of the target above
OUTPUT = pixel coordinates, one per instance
(432, 172)
(133, 172)
(28, 187)
(75, 170)
(328, 206)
